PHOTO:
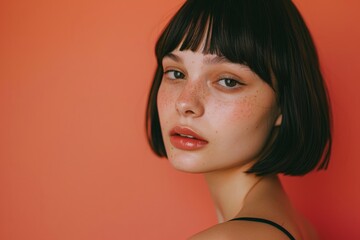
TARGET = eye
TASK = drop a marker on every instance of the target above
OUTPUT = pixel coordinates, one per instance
(230, 83)
(174, 74)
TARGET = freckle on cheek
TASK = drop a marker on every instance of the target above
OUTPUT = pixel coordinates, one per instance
(245, 107)
(163, 99)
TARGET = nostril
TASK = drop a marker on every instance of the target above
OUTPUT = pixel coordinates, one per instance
(189, 112)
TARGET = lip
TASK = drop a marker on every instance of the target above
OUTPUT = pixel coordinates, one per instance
(196, 141)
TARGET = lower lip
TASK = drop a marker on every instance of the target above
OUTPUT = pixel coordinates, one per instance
(185, 143)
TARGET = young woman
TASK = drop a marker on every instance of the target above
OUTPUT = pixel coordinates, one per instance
(238, 96)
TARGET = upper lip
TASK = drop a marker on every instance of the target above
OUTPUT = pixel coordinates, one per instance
(186, 131)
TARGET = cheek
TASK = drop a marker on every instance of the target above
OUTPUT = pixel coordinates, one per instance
(256, 110)
(244, 127)
(166, 104)
(163, 99)
(234, 112)
(248, 117)
(244, 108)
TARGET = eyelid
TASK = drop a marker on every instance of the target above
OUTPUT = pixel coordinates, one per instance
(172, 70)
(231, 77)
(237, 83)
(222, 84)
(171, 67)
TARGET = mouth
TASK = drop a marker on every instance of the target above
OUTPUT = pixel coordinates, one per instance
(185, 138)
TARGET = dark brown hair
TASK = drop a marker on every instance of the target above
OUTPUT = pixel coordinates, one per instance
(272, 39)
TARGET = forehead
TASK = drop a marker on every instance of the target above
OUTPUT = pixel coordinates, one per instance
(209, 59)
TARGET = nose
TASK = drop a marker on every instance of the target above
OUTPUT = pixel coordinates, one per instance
(190, 101)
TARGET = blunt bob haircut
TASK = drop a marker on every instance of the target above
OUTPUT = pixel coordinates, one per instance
(272, 39)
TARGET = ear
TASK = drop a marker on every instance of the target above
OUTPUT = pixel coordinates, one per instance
(278, 120)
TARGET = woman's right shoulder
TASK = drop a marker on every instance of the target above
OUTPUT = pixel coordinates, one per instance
(240, 230)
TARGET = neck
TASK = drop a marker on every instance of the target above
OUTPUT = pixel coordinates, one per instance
(229, 189)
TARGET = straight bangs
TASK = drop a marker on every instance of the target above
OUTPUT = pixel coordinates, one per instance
(228, 29)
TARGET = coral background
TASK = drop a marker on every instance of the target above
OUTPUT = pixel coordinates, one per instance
(74, 162)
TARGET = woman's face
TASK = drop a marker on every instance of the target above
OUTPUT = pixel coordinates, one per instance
(214, 114)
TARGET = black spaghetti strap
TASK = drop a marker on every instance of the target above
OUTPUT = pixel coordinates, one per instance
(253, 219)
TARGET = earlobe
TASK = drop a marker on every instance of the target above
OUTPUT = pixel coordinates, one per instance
(278, 120)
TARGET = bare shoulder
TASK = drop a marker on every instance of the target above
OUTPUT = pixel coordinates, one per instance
(241, 230)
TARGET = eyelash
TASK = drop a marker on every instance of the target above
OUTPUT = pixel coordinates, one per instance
(174, 72)
(228, 81)
(225, 80)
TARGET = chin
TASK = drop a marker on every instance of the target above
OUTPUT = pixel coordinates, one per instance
(188, 164)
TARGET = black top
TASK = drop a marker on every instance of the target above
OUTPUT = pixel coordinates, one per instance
(252, 219)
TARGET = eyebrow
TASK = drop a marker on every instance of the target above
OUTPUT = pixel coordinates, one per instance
(174, 57)
(208, 60)
(215, 60)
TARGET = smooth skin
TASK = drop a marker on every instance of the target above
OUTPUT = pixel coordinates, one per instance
(237, 113)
